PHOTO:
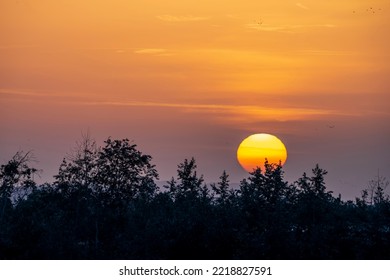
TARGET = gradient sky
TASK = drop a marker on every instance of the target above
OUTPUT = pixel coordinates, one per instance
(194, 78)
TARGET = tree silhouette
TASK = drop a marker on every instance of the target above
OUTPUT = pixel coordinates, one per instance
(221, 189)
(16, 181)
(266, 188)
(105, 204)
(124, 172)
(80, 167)
(117, 171)
(188, 185)
(375, 191)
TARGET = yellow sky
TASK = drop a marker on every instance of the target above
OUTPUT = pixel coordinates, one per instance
(231, 63)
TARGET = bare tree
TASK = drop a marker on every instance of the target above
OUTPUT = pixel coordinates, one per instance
(375, 191)
(79, 167)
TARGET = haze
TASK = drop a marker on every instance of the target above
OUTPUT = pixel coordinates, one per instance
(194, 78)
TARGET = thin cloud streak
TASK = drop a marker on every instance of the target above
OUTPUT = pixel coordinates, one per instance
(233, 112)
(188, 18)
(150, 51)
(11, 47)
(286, 28)
(326, 52)
(15, 92)
(47, 96)
(300, 5)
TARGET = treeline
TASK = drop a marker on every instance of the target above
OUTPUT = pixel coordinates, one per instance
(105, 204)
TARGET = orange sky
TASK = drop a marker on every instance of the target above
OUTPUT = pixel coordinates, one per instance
(194, 78)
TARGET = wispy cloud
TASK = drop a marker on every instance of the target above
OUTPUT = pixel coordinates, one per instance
(20, 92)
(187, 18)
(323, 52)
(151, 51)
(285, 28)
(300, 5)
(234, 16)
(10, 47)
(39, 95)
(232, 112)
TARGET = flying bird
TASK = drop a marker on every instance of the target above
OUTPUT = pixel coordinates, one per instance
(259, 22)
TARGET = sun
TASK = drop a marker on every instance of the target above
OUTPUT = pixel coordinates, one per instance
(253, 151)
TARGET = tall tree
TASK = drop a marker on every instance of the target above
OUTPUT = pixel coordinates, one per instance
(221, 189)
(80, 167)
(117, 171)
(188, 184)
(16, 175)
(267, 187)
(16, 182)
(375, 193)
(123, 172)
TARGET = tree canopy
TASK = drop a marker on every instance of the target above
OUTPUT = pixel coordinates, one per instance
(105, 204)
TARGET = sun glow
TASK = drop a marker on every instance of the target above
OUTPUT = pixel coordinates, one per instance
(254, 149)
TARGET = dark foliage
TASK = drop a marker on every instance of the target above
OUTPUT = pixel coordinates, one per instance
(105, 205)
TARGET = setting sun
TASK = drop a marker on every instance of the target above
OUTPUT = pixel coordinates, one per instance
(254, 149)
